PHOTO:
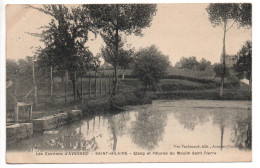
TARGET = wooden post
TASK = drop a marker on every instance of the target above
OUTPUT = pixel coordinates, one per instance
(16, 114)
(66, 84)
(95, 83)
(100, 85)
(105, 84)
(109, 84)
(51, 86)
(30, 113)
(81, 89)
(89, 83)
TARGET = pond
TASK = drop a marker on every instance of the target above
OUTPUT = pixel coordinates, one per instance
(162, 126)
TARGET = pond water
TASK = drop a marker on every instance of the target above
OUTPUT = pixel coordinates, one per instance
(161, 126)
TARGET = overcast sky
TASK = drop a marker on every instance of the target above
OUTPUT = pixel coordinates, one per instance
(178, 30)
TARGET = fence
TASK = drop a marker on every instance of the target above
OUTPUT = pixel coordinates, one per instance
(54, 88)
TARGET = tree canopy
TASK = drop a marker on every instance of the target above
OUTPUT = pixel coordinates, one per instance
(150, 65)
(113, 21)
(243, 67)
(64, 38)
(188, 63)
(226, 15)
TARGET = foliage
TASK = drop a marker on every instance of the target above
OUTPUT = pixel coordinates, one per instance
(188, 63)
(115, 20)
(126, 57)
(219, 70)
(226, 15)
(150, 65)
(203, 64)
(245, 13)
(12, 68)
(221, 13)
(243, 67)
(240, 13)
(65, 38)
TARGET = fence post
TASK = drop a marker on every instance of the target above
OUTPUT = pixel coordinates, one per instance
(100, 84)
(105, 84)
(89, 83)
(95, 83)
(109, 84)
(66, 84)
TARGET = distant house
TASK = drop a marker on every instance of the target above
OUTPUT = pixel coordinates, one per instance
(106, 66)
(230, 60)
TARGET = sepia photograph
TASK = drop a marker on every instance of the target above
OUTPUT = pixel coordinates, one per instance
(124, 83)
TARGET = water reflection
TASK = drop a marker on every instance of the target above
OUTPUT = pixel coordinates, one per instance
(153, 128)
(113, 131)
(64, 140)
(238, 121)
(242, 134)
(191, 118)
(148, 128)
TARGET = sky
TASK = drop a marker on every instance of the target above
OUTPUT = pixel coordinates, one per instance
(178, 30)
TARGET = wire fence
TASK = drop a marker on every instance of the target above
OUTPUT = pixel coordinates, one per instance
(57, 88)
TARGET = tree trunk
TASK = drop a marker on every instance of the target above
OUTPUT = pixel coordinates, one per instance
(123, 76)
(89, 83)
(116, 58)
(115, 82)
(224, 60)
(95, 82)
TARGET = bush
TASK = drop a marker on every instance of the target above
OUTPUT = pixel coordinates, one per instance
(131, 98)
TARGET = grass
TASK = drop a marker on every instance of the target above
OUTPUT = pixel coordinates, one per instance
(179, 84)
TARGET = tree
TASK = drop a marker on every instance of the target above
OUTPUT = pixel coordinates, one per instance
(126, 58)
(243, 67)
(203, 64)
(226, 15)
(218, 69)
(115, 20)
(64, 39)
(11, 69)
(245, 15)
(150, 65)
(188, 63)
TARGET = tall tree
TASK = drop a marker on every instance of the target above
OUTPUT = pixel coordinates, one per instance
(226, 15)
(243, 67)
(115, 20)
(65, 38)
